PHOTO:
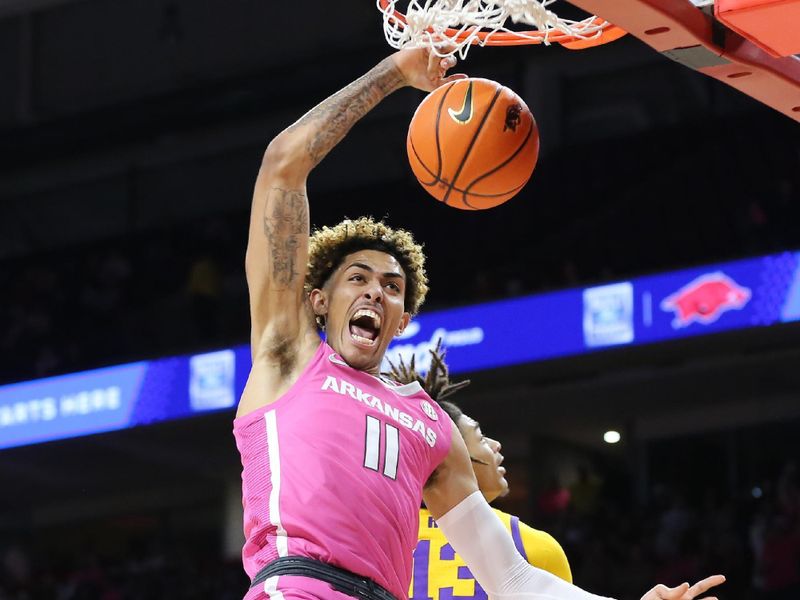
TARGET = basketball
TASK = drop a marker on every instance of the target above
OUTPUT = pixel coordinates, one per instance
(473, 144)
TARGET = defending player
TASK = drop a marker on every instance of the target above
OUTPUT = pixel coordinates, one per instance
(438, 571)
(334, 458)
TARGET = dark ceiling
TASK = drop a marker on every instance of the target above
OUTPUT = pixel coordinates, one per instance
(103, 103)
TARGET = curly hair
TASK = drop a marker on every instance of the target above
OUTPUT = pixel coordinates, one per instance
(328, 246)
(437, 381)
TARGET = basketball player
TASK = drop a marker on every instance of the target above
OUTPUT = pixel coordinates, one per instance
(334, 458)
(438, 572)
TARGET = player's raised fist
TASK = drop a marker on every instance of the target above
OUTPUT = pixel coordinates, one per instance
(424, 69)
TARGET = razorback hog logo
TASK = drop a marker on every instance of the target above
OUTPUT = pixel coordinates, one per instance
(705, 299)
(513, 113)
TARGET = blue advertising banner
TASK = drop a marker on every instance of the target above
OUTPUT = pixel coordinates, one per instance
(120, 397)
(748, 293)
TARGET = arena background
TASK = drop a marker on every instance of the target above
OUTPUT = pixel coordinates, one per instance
(130, 137)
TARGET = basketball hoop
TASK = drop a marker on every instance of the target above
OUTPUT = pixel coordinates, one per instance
(484, 23)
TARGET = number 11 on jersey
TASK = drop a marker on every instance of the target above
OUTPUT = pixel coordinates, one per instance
(372, 448)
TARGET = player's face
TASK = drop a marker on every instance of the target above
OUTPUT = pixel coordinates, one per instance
(365, 304)
(486, 459)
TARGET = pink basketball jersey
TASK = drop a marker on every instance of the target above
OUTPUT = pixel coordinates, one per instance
(334, 469)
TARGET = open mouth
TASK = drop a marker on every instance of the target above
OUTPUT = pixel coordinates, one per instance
(365, 325)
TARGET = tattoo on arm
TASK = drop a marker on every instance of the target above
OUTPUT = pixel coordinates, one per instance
(286, 227)
(333, 118)
(286, 211)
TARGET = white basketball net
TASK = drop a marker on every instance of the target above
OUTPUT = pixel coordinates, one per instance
(475, 22)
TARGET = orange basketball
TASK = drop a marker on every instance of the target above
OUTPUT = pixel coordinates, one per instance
(473, 144)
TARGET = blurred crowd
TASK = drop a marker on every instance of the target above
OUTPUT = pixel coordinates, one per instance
(183, 289)
(179, 575)
(161, 293)
(614, 550)
(684, 534)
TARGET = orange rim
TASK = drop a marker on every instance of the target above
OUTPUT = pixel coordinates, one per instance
(609, 33)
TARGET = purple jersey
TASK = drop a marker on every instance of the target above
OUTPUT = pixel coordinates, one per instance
(334, 469)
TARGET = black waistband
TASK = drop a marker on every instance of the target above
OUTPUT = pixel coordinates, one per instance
(340, 579)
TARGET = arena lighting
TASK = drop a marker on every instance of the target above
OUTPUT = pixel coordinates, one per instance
(611, 437)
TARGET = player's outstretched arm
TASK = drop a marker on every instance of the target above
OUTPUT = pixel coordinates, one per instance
(277, 246)
(479, 536)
